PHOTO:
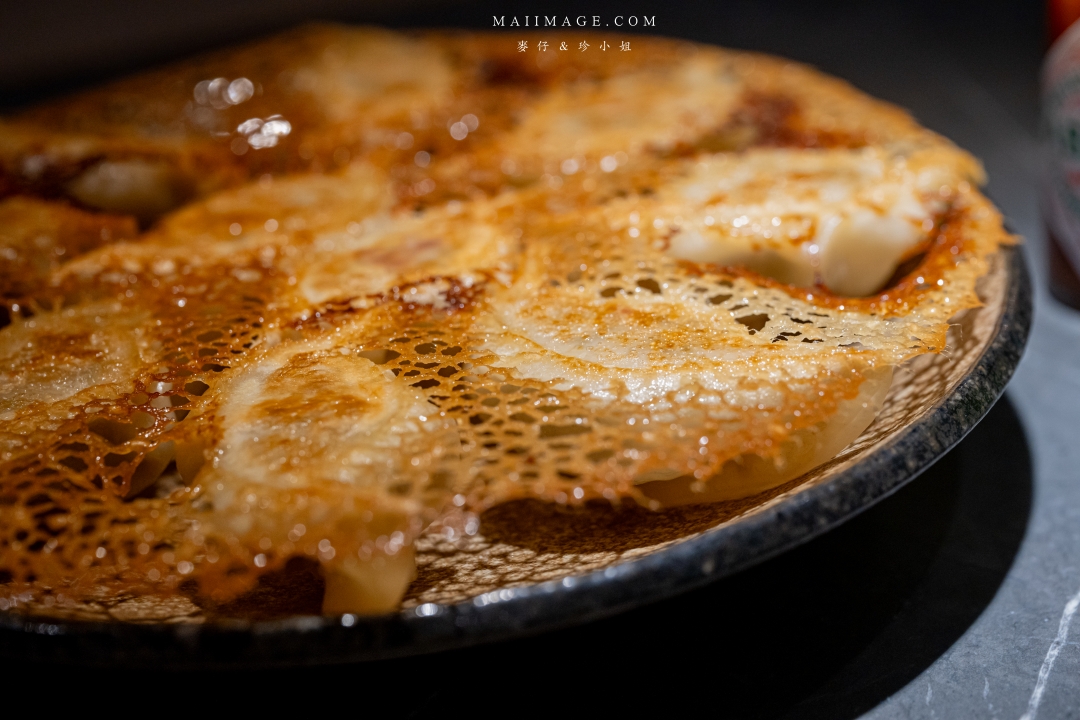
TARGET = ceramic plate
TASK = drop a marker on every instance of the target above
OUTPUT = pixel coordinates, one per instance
(534, 567)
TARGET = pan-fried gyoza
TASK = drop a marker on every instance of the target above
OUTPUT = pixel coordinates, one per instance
(318, 295)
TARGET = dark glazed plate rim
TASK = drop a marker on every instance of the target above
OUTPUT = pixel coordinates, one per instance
(513, 612)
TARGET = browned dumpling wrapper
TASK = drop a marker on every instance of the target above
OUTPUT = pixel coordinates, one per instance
(313, 297)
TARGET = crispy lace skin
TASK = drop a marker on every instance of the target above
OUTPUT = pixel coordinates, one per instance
(323, 345)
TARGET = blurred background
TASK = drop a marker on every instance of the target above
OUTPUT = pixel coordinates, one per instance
(51, 45)
(941, 602)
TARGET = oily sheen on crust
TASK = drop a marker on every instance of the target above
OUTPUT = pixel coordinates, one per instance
(389, 281)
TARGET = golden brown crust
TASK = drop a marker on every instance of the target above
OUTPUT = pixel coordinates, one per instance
(436, 275)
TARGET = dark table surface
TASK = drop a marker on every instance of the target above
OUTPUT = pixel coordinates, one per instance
(951, 599)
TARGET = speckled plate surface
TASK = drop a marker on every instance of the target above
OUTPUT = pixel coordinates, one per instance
(533, 567)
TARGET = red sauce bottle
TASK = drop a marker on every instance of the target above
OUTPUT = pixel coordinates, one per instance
(1061, 116)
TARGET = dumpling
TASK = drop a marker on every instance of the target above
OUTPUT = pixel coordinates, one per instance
(307, 300)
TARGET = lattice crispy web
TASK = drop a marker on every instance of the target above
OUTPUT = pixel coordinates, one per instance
(455, 284)
(527, 542)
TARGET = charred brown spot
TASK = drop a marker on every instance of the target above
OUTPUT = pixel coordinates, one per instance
(771, 120)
